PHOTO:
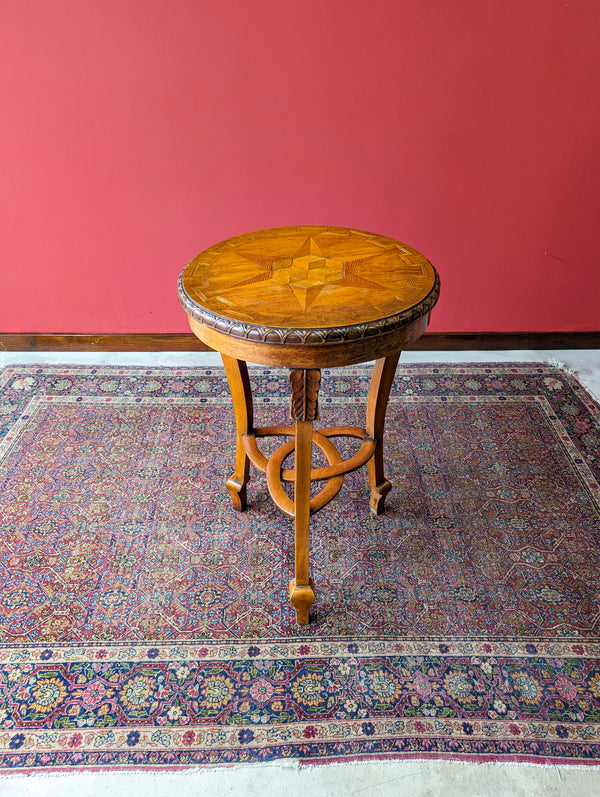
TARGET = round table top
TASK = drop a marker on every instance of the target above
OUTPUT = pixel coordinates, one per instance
(305, 285)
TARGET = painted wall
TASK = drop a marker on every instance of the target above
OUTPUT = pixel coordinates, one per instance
(137, 132)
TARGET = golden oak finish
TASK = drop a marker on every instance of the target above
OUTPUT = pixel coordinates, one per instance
(324, 276)
(307, 298)
(359, 459)
(274, 472)
(239, 383)
(326, 355)
(304, 398)
(379, 392)
(302, 594)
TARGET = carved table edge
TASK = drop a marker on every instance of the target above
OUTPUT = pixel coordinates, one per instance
(307, 336)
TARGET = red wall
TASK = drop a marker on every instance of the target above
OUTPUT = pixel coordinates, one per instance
(137, 132)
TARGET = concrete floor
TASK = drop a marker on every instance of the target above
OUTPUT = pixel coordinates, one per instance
(397, 779)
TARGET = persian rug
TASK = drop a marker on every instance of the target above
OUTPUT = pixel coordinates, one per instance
(144, 623)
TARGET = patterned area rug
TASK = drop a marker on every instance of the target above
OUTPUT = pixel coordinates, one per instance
(144, 623)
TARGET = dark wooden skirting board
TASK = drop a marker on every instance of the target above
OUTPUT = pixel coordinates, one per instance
(433, 341)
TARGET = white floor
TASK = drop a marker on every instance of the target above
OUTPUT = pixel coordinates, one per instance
(389, 779)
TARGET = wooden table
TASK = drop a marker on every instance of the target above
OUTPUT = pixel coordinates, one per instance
(307, 298)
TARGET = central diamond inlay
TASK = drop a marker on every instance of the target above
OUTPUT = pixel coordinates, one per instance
(307, 271)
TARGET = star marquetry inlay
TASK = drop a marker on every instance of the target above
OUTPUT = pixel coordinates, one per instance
(307, 277)
(307, 271)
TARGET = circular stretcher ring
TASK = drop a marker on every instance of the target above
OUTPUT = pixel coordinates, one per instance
(334, 473)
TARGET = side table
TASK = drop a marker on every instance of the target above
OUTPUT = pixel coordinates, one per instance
(307, 298)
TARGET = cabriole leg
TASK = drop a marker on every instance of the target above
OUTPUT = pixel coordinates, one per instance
(239, 384)
(379, 392)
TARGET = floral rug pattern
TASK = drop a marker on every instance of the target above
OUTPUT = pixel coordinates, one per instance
(145, 623)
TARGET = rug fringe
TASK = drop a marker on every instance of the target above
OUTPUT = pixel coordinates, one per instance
(298, 766)
(578, 375)
(561, 366)
(289, 765)
(481, 766)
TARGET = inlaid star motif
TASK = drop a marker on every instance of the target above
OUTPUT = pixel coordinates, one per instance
(307, 272)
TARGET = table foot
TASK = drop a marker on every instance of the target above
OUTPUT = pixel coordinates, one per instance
(302, 598)
(237, 490)
(378, 494)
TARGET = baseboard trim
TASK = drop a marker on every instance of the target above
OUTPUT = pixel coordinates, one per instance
(432, 341)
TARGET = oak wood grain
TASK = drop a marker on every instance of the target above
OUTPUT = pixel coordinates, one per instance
(302, 592)
(239, 384)
(327, 355)
(290, 284)
(379, 391)
(304, 394)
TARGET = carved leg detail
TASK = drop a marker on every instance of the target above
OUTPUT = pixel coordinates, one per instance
(304, 410)
(302, 598)
(239, 384)
(379, 392)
